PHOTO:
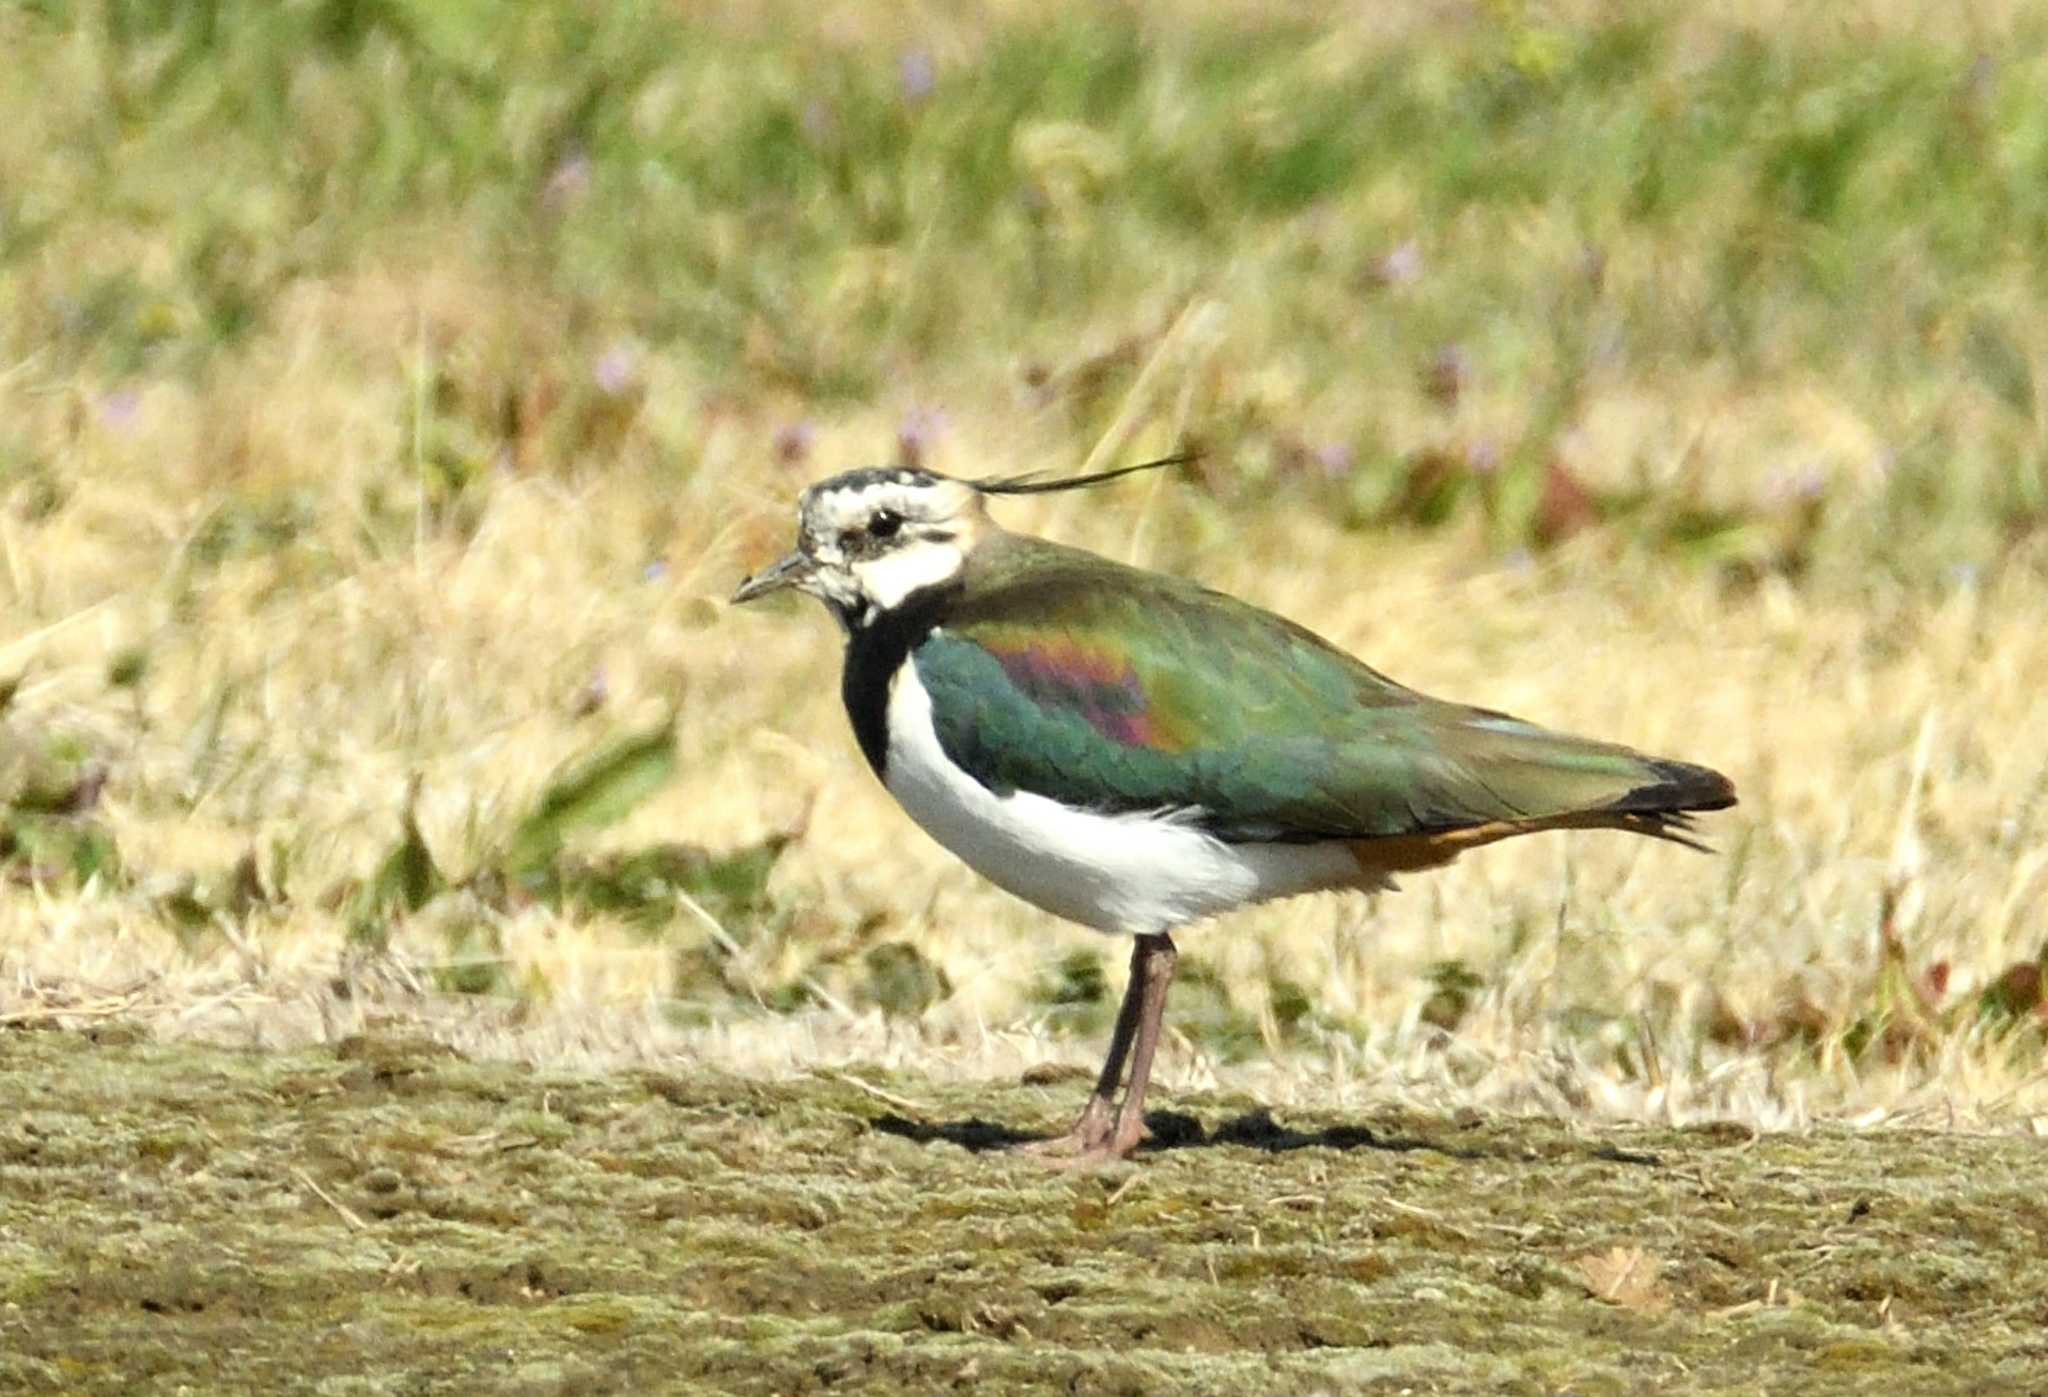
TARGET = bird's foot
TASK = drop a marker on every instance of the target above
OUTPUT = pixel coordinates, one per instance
(1099, 1136)
(1095, 1157)
(1091, 1131)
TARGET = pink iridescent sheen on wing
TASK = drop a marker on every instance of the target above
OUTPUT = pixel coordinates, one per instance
(1091, 682)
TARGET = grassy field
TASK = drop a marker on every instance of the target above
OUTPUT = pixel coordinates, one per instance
(391, 396)
(391, 393)
(383, 1216)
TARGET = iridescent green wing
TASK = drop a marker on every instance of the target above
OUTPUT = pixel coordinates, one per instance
(1113, 689)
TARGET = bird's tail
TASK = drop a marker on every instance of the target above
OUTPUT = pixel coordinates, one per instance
(1661, 807)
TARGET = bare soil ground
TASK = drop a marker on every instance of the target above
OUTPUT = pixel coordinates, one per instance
(384, 1215)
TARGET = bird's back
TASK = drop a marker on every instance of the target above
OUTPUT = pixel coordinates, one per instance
(1101, 686)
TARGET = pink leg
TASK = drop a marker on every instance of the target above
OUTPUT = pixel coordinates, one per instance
(1102, 1133)
(1130, 1118)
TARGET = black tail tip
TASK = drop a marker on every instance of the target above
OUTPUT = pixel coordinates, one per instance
(1682, 786)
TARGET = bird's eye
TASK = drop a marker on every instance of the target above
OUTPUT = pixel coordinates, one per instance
(885, 524)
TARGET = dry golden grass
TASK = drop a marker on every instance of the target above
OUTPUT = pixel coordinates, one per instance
(1888, 734)
(1879, 742)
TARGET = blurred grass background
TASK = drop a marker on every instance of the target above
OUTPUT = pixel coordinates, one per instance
(390, 393)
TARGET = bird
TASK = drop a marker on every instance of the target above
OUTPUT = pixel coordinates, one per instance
(1134, 752)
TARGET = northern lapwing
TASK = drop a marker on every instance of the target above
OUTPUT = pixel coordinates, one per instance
(1134, 752)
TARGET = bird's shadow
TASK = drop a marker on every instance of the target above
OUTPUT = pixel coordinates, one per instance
(1174, 1130)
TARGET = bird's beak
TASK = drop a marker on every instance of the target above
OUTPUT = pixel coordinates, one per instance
(792, 571)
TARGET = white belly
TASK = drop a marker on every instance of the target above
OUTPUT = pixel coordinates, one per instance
(1117, 873)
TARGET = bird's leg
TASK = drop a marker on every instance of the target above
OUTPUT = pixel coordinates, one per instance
(1091, 1128)
(1102, 1133)
(1159, 957)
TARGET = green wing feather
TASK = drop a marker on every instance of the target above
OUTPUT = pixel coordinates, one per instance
(1067, 675)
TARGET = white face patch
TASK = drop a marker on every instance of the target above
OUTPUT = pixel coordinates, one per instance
(878, 537)
(830, 512)
(888, 579)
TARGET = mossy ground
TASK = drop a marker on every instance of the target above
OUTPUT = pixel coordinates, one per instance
(387, 1216)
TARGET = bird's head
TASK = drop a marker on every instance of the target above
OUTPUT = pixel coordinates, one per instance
(867, 541)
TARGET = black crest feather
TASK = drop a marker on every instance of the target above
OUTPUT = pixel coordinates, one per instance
(1030, 483)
